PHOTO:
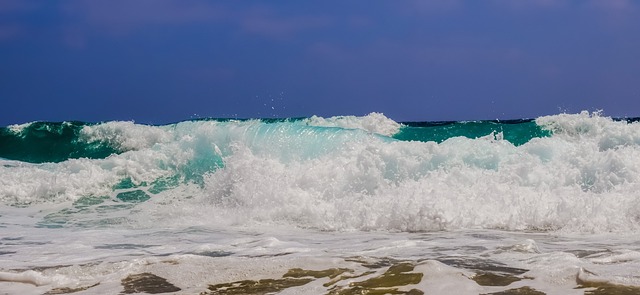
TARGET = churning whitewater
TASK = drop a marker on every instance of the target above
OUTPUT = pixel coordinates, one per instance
(575, 173)
(204, 186)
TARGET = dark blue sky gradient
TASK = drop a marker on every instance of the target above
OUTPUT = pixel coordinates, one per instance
(161, 61)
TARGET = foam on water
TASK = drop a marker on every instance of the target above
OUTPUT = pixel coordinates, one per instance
(125, 136)
(374, 122)
(338, 190)
(582, 179)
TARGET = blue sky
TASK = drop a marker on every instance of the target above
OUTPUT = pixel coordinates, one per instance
(161, 61)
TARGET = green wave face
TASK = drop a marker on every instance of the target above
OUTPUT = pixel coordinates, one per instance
(321, 172)
(42, 142)
(517, 132)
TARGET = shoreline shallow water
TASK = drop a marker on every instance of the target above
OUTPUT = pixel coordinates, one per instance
(312, 262)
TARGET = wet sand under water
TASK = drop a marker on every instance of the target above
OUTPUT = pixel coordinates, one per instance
(356, 275)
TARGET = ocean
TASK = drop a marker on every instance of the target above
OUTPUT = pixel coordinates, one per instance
(342, 205)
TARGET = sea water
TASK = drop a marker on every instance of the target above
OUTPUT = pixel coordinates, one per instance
(341, 205)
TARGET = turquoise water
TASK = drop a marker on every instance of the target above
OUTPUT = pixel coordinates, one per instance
(517, 132)
(347, 164)
(41, 142)
(550, 204)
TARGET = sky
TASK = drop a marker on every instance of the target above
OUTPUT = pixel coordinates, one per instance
(162, 61)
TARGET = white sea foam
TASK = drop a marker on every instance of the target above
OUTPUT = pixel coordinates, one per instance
(461, 183)
(593, 128)
(125, 135)
(338, 179)
(73, 179)
(374, 122)
(17, 128)
(253, 200)
(194, 258)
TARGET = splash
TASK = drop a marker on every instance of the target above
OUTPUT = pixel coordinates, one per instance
(572, 173)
